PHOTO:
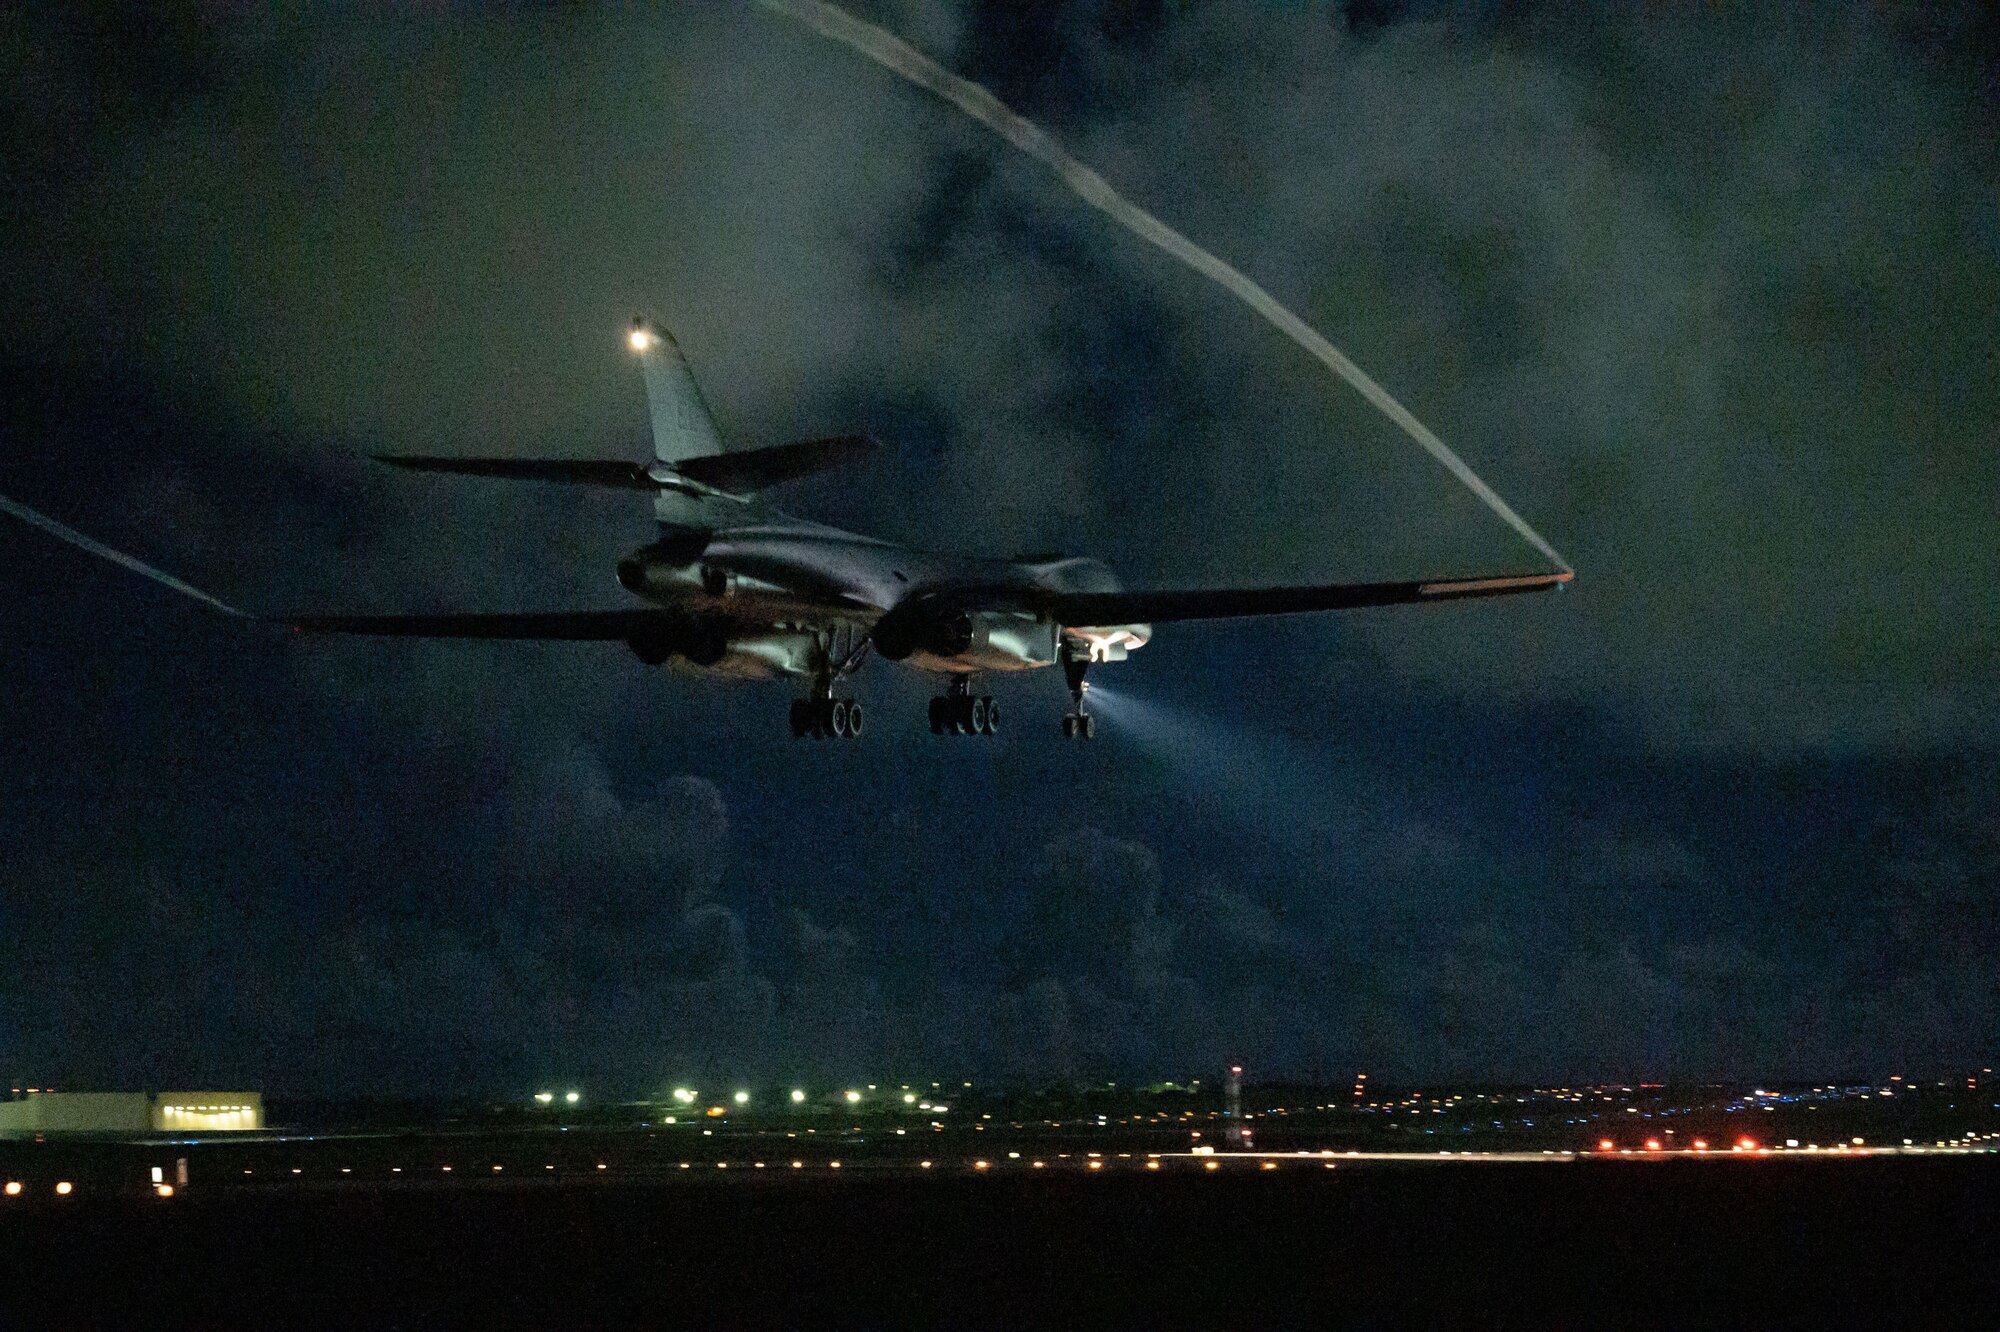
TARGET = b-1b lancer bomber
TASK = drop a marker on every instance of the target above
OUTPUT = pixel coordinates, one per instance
(733, 587)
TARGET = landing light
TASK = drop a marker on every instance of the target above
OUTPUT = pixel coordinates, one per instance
(640, 339)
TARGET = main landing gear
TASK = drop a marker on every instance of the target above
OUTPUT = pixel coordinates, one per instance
(1077, 724)
(962, 712)
(824, 715)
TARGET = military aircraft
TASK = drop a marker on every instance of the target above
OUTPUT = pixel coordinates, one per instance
(732, 587)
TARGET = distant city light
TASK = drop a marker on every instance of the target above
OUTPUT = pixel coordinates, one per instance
(13, 1188)
(797, 1096)
(545, 1097)
(572, 1097)
(685, 1095)
(742, 1098)
(63, 1188)
(909, 1098)
(853, 1098)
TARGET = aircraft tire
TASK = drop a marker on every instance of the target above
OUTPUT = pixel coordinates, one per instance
(975, 715)
(854, 720)
(992, 716)
(1087, 726)
(836, 722)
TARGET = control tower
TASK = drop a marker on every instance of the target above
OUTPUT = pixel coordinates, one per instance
(1236, 1133)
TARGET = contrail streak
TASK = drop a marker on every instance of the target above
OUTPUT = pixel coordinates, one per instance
(102, 551)
(899, 57)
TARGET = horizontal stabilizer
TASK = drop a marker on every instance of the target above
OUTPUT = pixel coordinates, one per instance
(733, 473)
(1094, 609)
(758, 469)
(586, 472)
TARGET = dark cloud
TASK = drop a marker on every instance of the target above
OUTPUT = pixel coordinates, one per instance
(1708, 296)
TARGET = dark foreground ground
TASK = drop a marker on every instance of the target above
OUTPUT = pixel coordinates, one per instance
(1718, 1243)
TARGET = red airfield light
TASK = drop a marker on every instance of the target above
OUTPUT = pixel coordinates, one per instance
(1746, 1144)
(1605, 1145)
(1652, 1144)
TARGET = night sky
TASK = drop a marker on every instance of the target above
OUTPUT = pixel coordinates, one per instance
(1709, 296)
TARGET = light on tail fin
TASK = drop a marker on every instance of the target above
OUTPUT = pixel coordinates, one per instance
(682, 427)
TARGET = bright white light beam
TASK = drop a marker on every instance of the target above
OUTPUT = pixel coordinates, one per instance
(900, 58)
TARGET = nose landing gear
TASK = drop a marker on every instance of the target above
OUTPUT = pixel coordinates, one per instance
(1076, 724)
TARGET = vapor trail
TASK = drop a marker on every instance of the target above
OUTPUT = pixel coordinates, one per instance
(102, 551)
(899, 57)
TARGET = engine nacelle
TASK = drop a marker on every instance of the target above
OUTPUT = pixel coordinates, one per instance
(937, 632)
(949, 639)
(702, 641)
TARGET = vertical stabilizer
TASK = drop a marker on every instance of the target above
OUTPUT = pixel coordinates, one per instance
(682, 427)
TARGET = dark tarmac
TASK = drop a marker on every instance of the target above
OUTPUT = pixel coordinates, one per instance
(610, 1229)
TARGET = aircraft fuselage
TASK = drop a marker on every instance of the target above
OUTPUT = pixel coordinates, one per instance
(794, 594)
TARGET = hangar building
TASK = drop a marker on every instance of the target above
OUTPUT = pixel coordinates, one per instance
(131, 1112)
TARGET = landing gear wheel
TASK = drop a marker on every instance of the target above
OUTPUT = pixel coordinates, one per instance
(992, 717)
(854, 720)
(1069, 726)
(836, 721)
(1087, 726)
(975, 717)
